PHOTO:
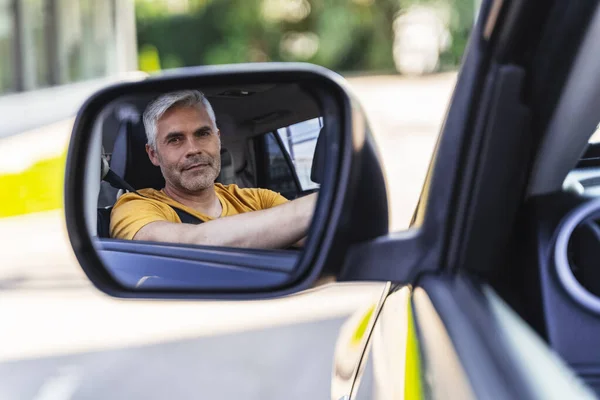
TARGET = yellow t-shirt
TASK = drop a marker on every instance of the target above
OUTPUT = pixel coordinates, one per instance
(132, 212)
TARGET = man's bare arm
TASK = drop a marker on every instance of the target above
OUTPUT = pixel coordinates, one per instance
(274, 228)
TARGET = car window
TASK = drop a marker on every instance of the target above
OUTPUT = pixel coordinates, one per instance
(288, 157)
(277, 172)
(595, 138)
(300, 141)
(584, 178)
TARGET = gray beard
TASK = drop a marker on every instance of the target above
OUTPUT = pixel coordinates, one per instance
(201, 181)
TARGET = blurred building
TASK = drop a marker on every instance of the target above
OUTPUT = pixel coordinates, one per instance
(56, 53)
(45, 43)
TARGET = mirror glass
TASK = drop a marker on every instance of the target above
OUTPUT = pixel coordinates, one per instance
(237, 168)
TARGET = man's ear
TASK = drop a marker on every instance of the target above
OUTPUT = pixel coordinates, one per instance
(152, 155)
(218, 132)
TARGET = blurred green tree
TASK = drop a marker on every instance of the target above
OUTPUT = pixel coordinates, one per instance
(343, 35)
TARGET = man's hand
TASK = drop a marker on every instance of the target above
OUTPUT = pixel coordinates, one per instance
(275, 228)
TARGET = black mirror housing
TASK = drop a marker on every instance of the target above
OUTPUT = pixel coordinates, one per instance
(352, 206)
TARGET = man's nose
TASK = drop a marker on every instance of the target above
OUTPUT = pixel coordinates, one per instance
(192, 147)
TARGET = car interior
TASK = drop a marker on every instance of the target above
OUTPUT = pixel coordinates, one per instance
(566, 233)
(557, 238)
(262, 127)
(557, 250)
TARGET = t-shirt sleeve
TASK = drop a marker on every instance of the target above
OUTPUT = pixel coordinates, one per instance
(131, 213)
(269, 198)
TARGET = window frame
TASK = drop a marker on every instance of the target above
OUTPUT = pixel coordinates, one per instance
(262, 161)
(590, 157)
(288, 160)
(309, 190)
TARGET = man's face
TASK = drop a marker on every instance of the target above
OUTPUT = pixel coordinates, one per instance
(188, 148)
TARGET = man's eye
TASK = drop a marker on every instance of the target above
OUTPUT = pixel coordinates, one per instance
(174, 140)
(203, 133)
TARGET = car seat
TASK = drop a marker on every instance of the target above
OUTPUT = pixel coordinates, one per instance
(318, 163)
(130, 162)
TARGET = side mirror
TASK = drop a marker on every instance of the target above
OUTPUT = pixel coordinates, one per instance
(287, 130)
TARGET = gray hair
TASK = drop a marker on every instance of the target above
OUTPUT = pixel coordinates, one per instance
(158, 107)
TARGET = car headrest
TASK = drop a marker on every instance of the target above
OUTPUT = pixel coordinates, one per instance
(141, 173)
(227, 175)
(318, 165)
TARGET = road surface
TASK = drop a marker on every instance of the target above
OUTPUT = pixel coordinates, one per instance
(287, 362)
(61, 339)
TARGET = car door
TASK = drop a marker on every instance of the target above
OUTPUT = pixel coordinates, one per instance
(451, 325)
(473, 345)
(447, 338)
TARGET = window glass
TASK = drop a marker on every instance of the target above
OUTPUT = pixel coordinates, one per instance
(278, 175)
(584, 178)
(595, 138)
(300, 141)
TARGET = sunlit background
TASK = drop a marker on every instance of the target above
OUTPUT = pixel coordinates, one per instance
(58, 333)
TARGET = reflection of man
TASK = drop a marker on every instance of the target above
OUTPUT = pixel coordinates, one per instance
(183, 140)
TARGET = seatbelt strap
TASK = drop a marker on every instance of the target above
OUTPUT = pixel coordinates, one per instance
(112, 178)
(119, 183)
(186, 217)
